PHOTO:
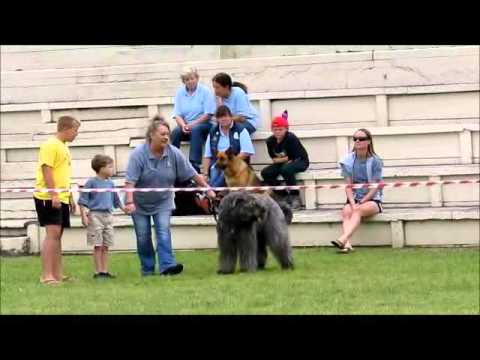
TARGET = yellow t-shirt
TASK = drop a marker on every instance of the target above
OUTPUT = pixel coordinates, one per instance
(55, 154)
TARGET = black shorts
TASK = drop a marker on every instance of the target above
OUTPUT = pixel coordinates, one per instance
(378, 202)
(48, 215)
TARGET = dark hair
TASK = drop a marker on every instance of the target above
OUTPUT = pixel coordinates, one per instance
(155, 123)
(223, 79)
(370, 150)
(67, 122)
(222, 111)
(100, 161)
(241, 86)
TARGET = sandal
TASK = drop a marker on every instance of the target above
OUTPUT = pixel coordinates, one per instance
(346, 250)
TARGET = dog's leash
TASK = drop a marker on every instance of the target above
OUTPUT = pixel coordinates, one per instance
(212, 208)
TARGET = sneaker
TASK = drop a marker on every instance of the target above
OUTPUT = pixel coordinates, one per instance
(97, 275)
(107, 275)
(173, 270)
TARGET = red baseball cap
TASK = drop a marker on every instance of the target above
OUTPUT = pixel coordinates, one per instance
(281, 121)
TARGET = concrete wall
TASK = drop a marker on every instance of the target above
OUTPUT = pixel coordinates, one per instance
(36, 57)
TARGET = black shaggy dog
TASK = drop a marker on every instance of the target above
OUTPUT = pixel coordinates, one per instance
(247, 224)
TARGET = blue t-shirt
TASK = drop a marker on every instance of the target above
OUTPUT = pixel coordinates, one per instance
(360, 176)
(246, 145)
(99, 201)
(191, 107)
(239, 104)
(145, 170)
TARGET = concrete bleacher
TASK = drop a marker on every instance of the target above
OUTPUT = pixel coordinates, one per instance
(421, 105)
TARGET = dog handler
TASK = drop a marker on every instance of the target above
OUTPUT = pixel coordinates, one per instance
(223, 136)
(156, 164)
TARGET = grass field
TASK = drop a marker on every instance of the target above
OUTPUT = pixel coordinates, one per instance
(369, 281)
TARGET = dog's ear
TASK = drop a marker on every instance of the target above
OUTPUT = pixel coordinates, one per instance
(229, 153)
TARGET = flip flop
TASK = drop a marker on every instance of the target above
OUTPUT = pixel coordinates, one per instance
(50, 282)
(337, 244)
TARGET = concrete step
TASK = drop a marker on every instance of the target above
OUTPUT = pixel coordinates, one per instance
(17, 245)
(360, 70)
(395, 227)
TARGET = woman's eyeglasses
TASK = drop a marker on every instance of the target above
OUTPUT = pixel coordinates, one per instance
(360, 139)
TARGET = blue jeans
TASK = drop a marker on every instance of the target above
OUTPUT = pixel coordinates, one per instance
(197, 139)
(143, 231)
(217, 177)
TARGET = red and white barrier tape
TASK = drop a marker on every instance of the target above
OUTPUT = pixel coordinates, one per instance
(379, 185)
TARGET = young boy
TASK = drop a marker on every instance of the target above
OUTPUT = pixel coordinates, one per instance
(96, 212)
(53, 211)
(289, 157)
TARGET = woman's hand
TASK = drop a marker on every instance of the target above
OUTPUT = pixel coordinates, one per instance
(211, 194)
(130, 208)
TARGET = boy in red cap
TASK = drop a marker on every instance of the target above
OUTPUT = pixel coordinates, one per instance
(289, 157)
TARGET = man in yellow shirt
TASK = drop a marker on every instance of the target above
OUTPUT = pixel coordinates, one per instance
(53, 209)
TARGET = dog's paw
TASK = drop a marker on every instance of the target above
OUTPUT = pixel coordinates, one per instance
(223, 272)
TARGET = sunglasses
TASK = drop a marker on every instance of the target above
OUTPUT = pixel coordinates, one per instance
(360, 139)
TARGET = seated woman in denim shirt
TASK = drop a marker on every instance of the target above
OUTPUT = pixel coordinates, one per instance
(362, 165)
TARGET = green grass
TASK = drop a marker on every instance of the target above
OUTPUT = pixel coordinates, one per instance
(369, 281)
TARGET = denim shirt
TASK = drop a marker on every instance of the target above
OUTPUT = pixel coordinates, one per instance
(374, 171)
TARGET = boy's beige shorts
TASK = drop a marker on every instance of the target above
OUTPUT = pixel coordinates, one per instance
(100, 229)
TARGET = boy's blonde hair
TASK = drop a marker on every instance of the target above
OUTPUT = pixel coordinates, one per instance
(67, 122)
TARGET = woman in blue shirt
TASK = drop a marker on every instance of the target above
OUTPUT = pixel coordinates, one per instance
(234, 96)
(156, 164)
(194, 105)
(362, 165)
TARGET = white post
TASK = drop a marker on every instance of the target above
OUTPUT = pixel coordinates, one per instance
(152, 111)
(381, 112)
(46, 116)
(265, 113)
(466, 146)
(310, 195)
(436, 193)
(398, 234)
(342, 146)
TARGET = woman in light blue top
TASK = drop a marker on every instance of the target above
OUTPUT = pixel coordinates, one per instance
(156, 164)
(234, 96)
(194, 105)
(362, 165)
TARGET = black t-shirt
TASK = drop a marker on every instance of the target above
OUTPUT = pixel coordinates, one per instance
(290, 146)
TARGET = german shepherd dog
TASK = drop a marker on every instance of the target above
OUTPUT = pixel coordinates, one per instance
(237, 171)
